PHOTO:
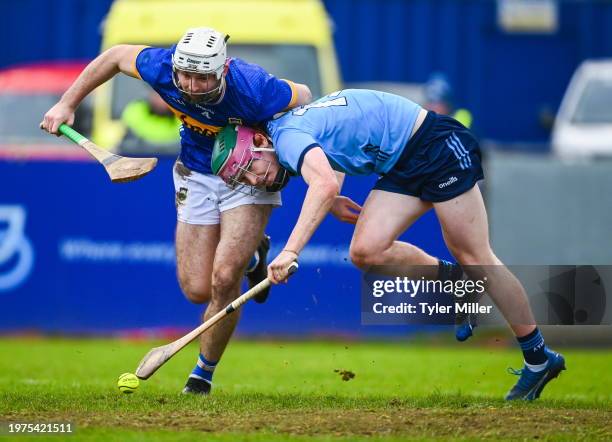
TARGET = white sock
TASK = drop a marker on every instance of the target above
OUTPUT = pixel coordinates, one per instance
(536, 368)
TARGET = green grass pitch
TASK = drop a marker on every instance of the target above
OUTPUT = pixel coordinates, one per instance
(268, 391)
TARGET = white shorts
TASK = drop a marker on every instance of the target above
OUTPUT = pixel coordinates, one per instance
(201, 198)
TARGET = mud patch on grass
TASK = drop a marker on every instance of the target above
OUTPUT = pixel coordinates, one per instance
(346, 375)
(483, 422)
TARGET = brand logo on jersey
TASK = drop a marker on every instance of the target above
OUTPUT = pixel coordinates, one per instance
(232, 120)
(16, 253)
(450, 181)
(204, 111)
(178, 100)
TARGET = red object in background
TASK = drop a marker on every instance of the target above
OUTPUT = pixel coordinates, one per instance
(40, 78)
(26, 93)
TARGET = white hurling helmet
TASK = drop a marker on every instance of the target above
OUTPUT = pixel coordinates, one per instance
(201, 51)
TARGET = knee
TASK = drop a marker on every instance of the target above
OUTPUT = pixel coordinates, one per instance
(225, 282)
(198, 293)
(482, 257)
(362, 256)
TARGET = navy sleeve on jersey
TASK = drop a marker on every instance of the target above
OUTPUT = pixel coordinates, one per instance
(149, 64)
(291, 147)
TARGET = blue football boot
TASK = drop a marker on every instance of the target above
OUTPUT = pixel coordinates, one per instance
(531, 384)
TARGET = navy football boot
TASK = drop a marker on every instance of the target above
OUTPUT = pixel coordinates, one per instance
(260, 272)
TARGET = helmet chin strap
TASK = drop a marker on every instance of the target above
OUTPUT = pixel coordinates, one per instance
(280, 181)
(211, 97)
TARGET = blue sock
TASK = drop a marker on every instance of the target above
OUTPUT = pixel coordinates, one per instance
(204, 369)
(533, 348)
(253, 262)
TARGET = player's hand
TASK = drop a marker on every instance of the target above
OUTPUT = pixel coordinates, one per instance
(345, 209)
(58, 114)
(277, 269)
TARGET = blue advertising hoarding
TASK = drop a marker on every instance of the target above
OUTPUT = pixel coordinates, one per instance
(79, 254)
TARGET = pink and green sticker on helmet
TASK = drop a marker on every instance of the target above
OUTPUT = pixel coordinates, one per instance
(225, 142)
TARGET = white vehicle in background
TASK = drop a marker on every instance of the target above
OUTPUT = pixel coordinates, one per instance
(583, 126)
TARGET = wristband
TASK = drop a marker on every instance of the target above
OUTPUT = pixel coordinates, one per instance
(291, 251)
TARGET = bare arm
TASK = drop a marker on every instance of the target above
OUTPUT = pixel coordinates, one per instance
(304, 96)
(117, 59)
(322, 189)
(344, 208)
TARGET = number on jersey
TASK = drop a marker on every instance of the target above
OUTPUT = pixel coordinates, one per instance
(341, 101)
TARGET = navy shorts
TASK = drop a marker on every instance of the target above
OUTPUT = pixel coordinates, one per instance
(440, 161)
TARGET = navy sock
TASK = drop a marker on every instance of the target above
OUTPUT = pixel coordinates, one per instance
(204, 369)
(449, 271)
(533, 347)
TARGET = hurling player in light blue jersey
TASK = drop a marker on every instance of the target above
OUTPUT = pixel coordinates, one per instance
(206, 90)
(424, 161)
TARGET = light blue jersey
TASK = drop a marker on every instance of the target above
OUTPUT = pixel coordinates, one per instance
(361, 131)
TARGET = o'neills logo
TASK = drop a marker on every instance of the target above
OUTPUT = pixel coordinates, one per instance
(450, 181)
